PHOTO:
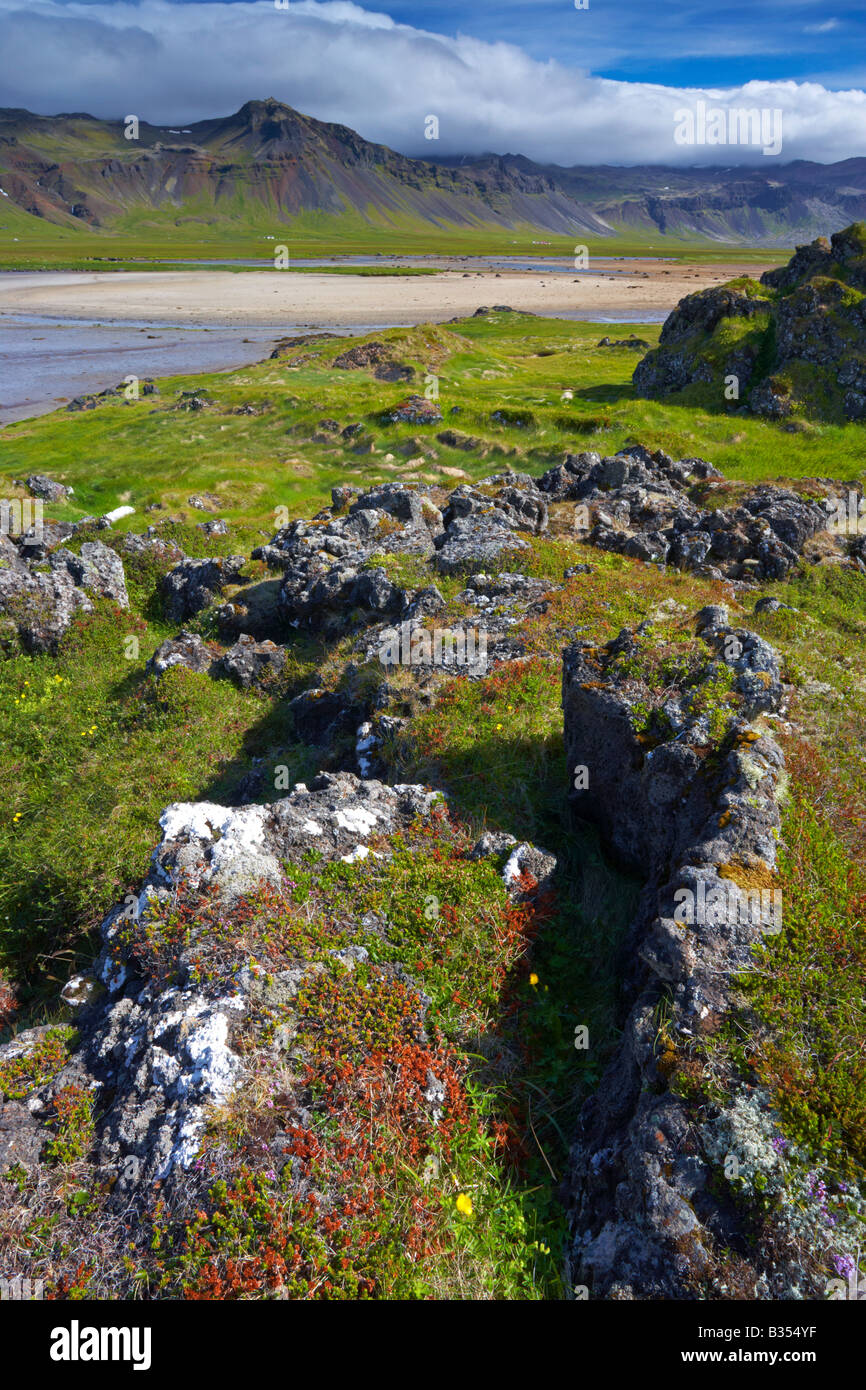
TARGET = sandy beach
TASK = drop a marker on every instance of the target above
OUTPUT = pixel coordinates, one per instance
(270, 297)
(64, 333)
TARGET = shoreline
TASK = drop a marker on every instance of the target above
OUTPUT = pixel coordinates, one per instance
(268, 299)
(70, 333)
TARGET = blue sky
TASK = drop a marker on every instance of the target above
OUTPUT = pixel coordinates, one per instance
(560, 85)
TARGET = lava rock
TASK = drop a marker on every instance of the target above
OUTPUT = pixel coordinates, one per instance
(187, 649)
(195, 584)
(47, 488)
(250, 662)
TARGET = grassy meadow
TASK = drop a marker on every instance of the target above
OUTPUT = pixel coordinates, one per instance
(146, 238)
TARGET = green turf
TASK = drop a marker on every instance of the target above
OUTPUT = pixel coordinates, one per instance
(141, 452)
(145, 238)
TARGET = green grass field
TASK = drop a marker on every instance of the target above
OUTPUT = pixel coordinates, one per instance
(142, 452)
(147, 238)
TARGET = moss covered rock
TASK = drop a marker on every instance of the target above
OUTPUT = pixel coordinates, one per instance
(793, 343)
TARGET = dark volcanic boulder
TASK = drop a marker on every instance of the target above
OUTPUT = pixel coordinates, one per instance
(187, 649)
(378, 357)
(97, 568)
(477, 539)
(639, 503)
(46, 488)
(640, 804)
(482, 521)
(21, 1136)
(404, 504)
(249, 662)
(635, 344)
(39, 607)
(329, 564)
(39, 598)
(195, 584)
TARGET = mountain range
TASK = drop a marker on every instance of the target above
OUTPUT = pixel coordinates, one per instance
(268, 165)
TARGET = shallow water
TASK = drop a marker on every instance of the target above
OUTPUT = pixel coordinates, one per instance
(45, 362)
(554, 265)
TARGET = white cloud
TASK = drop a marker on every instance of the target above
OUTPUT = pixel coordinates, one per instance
(826, 28)
(172, 63)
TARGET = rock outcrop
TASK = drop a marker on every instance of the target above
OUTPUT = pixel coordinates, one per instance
(47, 489)
(639, 503)
(42, 590)
(414, 410)
(669, 754)
(329, 566)
(702, 832)
(156, 1054)
(376, 357)
(795, 342)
